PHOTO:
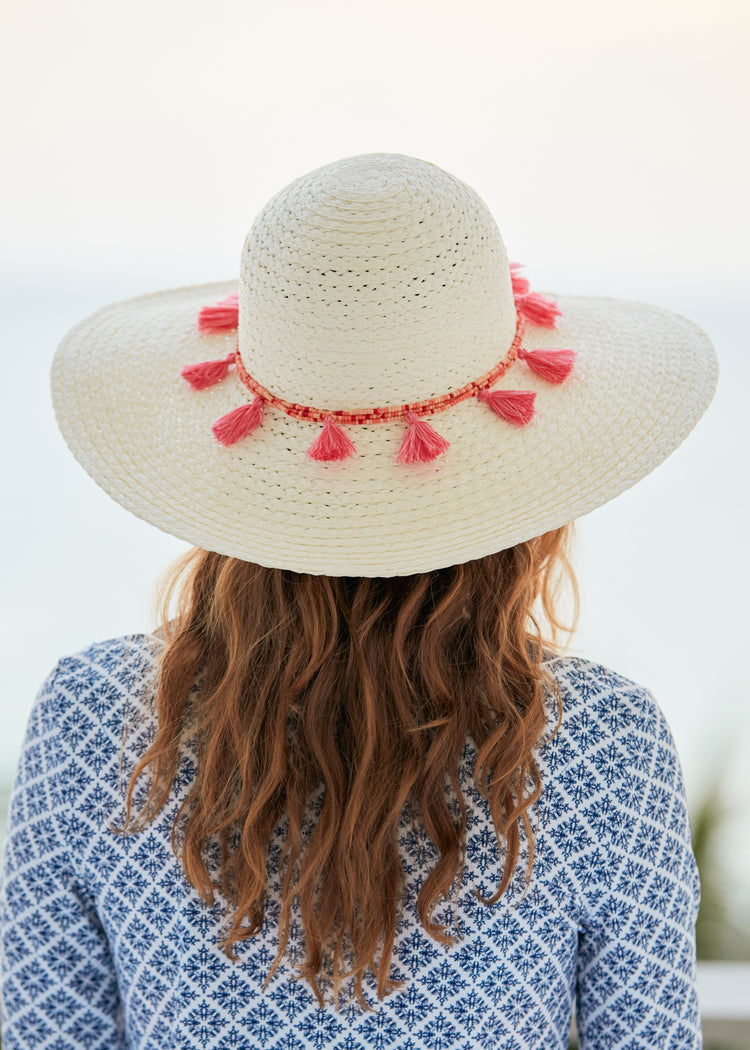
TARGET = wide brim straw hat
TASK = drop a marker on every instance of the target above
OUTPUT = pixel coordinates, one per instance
(380, 392)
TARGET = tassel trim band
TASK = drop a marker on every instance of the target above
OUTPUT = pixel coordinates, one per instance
(421, 443)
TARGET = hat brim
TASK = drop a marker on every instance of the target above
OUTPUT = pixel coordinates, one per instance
(642, 379)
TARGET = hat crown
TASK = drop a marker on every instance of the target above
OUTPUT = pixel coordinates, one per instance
(376, 280)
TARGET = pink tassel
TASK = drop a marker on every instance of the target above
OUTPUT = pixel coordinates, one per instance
(538, 309)
(551, 364)
(238, 423)
(207, 373)
(223, 315)
(520, 284)
(421, 443)
(331, 443)
(515, 406)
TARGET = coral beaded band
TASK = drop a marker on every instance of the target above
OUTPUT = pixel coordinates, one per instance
(388, 413)
(420, 443)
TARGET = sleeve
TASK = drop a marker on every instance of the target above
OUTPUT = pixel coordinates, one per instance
(636, 973)
(59, 986)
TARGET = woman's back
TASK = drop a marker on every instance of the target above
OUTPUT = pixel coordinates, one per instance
(375, 441)
(607, 916)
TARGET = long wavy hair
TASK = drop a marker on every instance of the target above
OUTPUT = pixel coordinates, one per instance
(368, 687)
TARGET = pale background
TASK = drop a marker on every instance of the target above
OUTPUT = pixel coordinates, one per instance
(139, 140)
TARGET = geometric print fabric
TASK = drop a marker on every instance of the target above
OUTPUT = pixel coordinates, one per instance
(106, 946)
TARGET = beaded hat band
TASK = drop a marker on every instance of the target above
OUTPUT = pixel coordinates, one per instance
(421, 443)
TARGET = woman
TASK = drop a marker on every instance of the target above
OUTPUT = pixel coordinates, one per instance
(350, 795)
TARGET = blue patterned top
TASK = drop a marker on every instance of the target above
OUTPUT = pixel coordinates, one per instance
(106, 945)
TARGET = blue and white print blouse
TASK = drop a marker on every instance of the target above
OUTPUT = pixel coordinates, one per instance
(107, 946)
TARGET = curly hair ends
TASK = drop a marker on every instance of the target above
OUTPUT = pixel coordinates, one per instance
(366, 687)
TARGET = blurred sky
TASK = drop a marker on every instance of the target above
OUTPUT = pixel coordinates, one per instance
(610, 141)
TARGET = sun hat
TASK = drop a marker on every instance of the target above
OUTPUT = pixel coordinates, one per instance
(381, 392)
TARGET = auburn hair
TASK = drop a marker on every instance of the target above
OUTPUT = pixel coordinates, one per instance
(367, 686)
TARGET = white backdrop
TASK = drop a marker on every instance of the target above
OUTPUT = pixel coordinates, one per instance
(140, 140)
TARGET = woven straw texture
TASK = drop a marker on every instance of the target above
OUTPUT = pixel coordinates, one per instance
(373, 281)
